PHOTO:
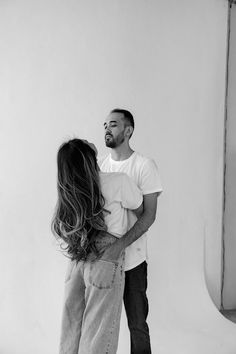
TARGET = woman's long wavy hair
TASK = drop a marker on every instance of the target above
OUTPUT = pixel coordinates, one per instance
(79, 212)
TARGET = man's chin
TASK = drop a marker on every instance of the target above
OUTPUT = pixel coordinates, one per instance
(109, 144)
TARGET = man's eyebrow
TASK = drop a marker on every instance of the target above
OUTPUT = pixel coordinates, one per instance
(111, 121)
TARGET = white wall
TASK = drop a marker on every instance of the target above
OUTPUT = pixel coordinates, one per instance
(64, 65)
(229, 296)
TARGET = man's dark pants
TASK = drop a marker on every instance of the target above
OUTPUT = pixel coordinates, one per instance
(136, 307)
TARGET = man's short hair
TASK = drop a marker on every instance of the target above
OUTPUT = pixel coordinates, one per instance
(129, 119)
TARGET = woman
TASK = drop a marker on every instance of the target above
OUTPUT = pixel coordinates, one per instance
(91, 213)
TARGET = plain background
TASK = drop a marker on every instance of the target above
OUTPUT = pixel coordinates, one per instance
(64, 66)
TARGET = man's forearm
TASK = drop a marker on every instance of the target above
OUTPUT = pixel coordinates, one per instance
(143, 223)
(136, 231)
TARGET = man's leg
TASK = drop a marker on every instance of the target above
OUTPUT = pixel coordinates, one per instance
(136, 306)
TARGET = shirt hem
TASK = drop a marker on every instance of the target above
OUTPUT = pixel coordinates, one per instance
(136, 264)
(152, 191)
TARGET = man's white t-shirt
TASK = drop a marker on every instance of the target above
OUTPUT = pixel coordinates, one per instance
(144, 172)
(120, 194)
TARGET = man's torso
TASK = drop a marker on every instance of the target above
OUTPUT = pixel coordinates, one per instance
(136, 168)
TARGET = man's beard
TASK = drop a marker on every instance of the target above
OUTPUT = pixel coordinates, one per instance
(110, 143)
(113, 143)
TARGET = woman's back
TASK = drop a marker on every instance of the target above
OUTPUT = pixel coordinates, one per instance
(83, 194)
(120, 194)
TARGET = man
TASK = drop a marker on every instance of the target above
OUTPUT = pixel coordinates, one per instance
(119, 127)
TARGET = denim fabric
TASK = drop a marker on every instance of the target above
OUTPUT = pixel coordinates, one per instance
(92, 306)
(136, 306)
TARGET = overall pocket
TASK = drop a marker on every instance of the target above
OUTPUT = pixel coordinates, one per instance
(102, 273)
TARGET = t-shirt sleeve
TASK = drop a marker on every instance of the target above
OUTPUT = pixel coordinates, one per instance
(150, 181)
(131, 195)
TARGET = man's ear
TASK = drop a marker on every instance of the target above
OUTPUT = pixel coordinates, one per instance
(129, 131)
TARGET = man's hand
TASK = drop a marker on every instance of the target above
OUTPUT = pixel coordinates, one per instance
(113, 252)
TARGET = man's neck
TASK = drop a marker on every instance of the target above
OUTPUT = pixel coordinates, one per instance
(121, 153)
